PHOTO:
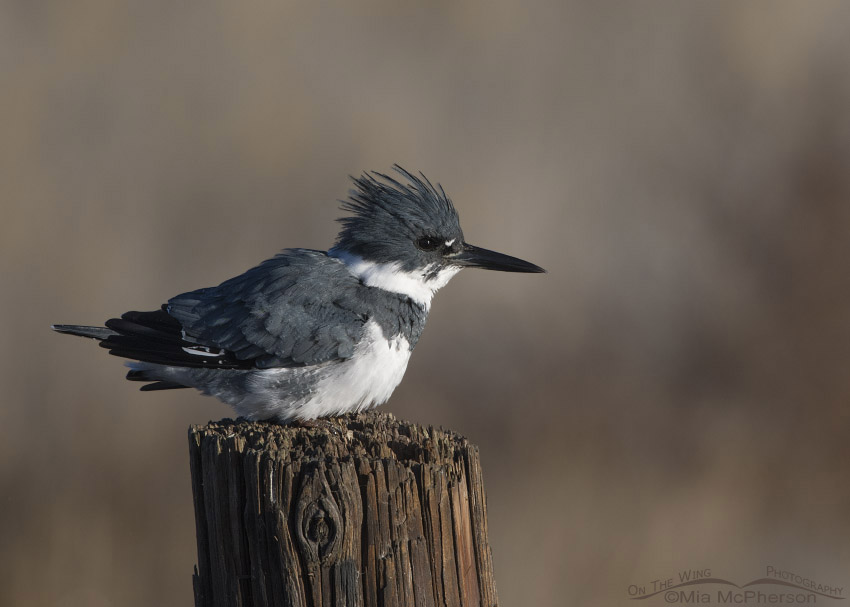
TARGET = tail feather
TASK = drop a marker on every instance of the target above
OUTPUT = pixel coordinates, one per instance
(157, 341)
(155, 337)
(142, 372)
(161, 385)
(99, 333)
(138, 374)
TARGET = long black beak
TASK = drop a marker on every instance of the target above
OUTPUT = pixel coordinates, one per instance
(476, 257)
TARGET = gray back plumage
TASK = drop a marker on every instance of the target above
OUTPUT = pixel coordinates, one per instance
(298, 308)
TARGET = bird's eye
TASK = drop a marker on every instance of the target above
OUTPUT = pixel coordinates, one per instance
(428, 243)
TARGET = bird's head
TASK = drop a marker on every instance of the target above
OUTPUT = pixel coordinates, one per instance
(406, 237)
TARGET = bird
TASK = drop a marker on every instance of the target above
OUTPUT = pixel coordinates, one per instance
(311, 334)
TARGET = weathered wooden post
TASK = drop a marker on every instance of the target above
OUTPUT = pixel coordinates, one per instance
(375, 511)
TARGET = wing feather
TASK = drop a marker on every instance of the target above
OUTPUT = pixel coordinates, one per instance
(298, 308)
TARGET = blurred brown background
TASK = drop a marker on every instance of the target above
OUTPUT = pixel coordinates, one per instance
(672, 395)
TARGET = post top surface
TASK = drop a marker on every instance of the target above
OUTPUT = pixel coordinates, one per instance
(373, 434)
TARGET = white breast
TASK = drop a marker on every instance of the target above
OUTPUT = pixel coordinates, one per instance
(367, 379)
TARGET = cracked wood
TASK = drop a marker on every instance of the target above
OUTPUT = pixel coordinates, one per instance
(368, 511)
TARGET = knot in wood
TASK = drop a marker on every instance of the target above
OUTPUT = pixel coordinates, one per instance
(318, 521)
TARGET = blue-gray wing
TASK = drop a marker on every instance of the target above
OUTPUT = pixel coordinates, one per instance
(298, 308)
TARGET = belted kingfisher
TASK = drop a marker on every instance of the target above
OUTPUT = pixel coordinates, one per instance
(310, 334)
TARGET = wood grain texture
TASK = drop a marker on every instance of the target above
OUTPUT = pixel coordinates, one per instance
(369, 511)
